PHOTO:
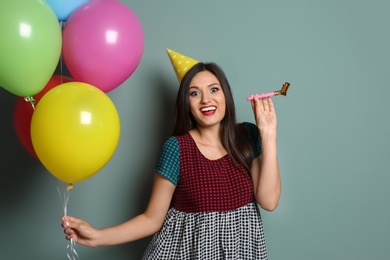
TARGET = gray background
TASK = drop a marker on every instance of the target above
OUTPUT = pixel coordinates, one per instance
(333, 135)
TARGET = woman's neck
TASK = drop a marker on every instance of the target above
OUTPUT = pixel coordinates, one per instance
(208, 142)
(207, 135)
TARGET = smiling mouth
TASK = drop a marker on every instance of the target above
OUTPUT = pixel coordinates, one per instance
(208, 111)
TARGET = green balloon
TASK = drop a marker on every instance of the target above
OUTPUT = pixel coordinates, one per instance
(30, 45)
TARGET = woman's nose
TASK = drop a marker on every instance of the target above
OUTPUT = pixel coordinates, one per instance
(205, 98)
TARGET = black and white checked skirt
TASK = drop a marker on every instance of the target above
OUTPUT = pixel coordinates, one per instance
(236, 234)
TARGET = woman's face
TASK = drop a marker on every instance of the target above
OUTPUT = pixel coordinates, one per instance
(207, 100)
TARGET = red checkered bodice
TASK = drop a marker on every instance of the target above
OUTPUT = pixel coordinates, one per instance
(209, 185)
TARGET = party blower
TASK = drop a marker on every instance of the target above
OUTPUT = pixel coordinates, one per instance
(283, 92)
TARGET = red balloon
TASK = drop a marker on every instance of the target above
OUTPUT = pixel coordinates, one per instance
(24, 110)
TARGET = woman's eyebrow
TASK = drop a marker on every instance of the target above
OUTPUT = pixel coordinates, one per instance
(210, 85)
(213, 84)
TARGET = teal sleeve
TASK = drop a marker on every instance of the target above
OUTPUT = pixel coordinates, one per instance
(168, 162)
(254, 138)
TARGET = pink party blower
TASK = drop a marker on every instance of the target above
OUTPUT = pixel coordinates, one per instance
(283, 92)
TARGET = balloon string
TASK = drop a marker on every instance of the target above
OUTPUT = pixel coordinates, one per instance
(61, 68)
(64, 193)
(62, 24)
(71, 250)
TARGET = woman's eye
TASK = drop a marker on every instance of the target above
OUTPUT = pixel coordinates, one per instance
(194, 93)
(214, 89)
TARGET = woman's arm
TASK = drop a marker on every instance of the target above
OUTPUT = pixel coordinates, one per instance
(266, 178)
(265, 169)
(136, 228)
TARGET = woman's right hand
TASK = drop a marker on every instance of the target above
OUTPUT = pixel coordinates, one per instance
(80, 231)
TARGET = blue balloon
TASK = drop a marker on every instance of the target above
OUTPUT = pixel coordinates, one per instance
(64, 8)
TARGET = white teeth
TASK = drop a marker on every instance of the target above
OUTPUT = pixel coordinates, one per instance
(206, 109)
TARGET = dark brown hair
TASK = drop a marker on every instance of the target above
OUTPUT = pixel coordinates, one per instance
(234, 138)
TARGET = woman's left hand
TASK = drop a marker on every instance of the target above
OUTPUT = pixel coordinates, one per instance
(264, 113)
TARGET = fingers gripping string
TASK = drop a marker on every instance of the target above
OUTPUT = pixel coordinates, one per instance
(64, 193)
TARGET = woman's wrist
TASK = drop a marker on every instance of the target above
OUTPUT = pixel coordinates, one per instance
(266, 133)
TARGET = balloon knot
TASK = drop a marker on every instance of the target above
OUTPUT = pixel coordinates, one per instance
(70, 186)
(30, 99)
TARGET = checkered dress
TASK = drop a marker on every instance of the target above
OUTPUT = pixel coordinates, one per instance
(213, 213)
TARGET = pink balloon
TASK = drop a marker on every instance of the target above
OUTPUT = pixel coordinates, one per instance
(103, 43)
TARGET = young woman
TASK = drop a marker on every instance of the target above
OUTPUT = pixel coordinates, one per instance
(210, 177)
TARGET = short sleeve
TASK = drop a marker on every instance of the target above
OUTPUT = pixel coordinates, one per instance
(254, 138)
(168, 162)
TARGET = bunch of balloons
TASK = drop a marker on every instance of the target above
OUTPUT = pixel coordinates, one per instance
(69, 124)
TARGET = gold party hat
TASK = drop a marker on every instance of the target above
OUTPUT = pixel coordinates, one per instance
(180, 63)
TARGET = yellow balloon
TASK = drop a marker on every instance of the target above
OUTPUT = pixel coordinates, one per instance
(75, 130)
